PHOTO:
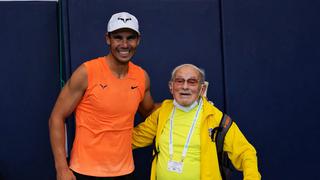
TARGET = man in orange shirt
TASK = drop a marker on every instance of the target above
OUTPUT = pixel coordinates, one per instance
(105, 93)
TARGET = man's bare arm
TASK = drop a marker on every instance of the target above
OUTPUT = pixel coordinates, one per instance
(147, 105)
(68, 99)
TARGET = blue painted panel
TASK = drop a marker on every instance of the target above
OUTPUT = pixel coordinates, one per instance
(272, 77)
(29, 76)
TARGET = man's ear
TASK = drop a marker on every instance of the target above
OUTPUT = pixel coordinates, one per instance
(170, 87)
(107, 38)
(139, 38)
(204, 88)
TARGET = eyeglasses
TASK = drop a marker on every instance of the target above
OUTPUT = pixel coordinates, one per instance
(190, 82)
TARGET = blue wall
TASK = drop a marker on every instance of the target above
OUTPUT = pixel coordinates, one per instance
(261, 59)
(29, 76)
(272, 57)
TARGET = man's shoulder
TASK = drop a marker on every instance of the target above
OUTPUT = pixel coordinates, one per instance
(96, 60)
(136, 67)
(166, 105)
(209, 105)
(211, 110)
(93, 65)
(167, 102)
(136, 72)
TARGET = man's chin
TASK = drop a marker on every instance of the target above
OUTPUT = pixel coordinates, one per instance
(184, 103)
(124, 60)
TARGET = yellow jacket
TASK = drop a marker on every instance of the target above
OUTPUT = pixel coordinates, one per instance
(240, 151)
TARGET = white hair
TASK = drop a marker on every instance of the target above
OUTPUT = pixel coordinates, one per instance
(201, 71)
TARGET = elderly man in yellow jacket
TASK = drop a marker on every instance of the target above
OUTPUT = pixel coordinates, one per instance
(181, 128)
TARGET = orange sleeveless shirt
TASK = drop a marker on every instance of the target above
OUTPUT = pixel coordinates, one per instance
(104, 121)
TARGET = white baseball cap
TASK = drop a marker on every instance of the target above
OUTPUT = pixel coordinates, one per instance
(123, 20)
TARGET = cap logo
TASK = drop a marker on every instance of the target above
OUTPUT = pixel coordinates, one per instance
(124, 20)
